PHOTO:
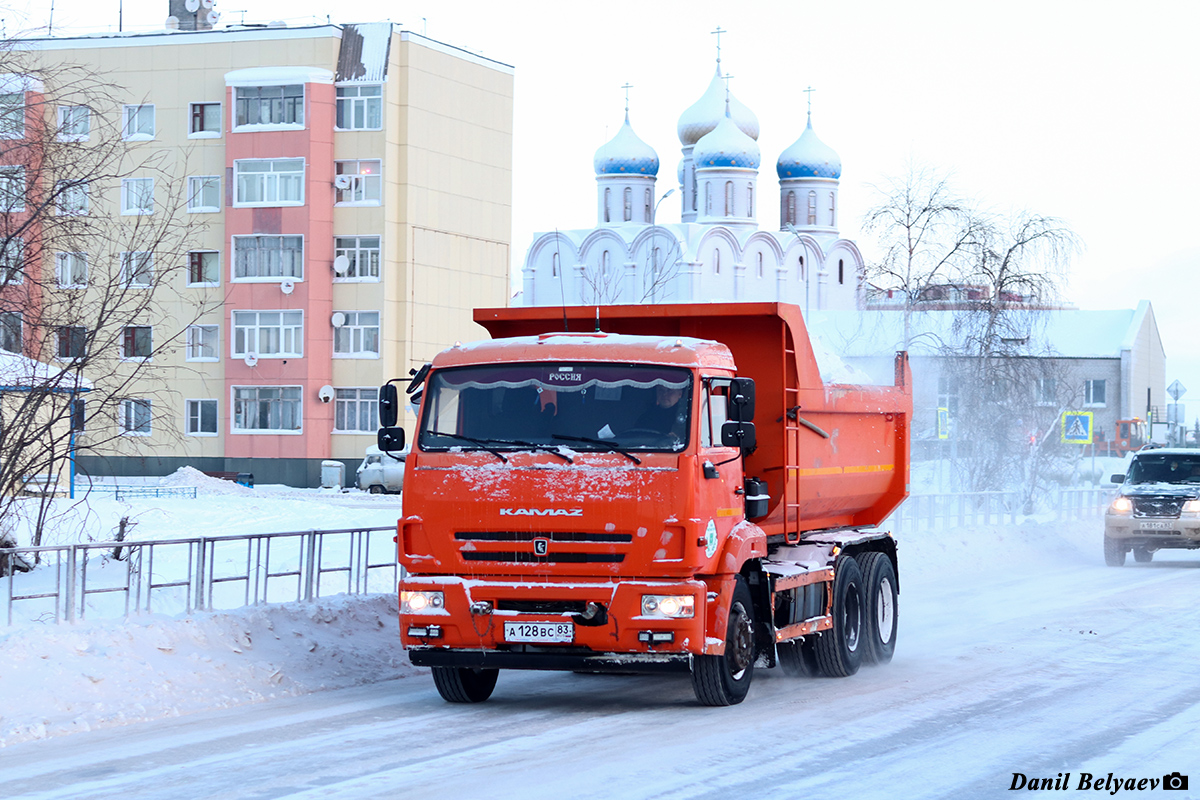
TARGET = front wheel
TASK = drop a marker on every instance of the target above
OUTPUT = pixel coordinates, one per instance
(1143, 555)
(1114, 552)
(882, 617)
(839, 649)
(724, 680)
(464, 685)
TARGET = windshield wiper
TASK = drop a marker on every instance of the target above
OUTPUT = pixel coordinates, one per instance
(601, 442)
(481, 442)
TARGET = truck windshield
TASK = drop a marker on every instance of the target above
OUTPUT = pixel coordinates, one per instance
(1165, 468)
(582, 406)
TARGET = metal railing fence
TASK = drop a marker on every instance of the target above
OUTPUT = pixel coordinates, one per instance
(203, 573)
(951, 510)
(125, 492)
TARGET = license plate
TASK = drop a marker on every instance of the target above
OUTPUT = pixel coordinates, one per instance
(539, 632)
(1155, 526)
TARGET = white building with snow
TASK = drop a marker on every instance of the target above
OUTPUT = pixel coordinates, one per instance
(717, 253)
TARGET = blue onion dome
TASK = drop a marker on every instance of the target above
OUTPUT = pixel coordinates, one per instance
(809, 157)
(704, 115)
(726, 146)
(626, 154)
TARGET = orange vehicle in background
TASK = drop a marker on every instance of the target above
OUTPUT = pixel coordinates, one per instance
(676, 491)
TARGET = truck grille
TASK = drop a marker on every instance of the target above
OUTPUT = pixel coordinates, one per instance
(524, 550)
(1158, 506)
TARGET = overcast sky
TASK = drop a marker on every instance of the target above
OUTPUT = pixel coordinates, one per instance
(1082, 110)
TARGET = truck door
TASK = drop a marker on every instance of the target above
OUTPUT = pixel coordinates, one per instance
(720, 467)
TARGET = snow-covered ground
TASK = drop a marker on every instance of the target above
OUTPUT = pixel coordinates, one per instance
(1019, 652)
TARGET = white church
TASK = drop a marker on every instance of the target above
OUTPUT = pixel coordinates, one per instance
(717, 253)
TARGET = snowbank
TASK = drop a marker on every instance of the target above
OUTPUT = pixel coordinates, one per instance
(65, 678)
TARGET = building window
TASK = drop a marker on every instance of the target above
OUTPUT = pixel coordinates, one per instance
(760, 265)
(358, 182)
(360, 108)
(628, 198)
(139, 122)
(832, 210)
(202, 417)
(948, 394)
(71, 270)
(269, 105)
(800, 273)
(71, 199)
(137, 342)
(12, 189)
(204, 193)
(202, 343)
(1045, 391)
(268, 334)
(749, 201)
(363, 252)
(841, 271)
(358, 337)
(717, 262)
(135, 417)
(1094, 392)
(812, 208)
(267, 408)
(137, 269)
(72, 342)
(649, 206)
(204, 268)
(137, 195)
(729, 198)
(74, 123)
(10, 331)
(604, 266)
(268, 257)
(77, 414)
(12, 115)
(607, 197)
(790, 214)
(707, 197)
(204, 120)
(554, 265)
(356, 410)
(12, 262)
(269, 182)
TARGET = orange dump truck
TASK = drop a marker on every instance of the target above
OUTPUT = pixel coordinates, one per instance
(676, 491)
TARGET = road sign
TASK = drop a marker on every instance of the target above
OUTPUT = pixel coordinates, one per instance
(1077, 427)
(1176, 390)
(943, 423)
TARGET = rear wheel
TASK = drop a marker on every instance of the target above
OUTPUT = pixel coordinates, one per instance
(1114, 552)
(724, 680)
(464, 685)
(839, 649)
(376, 489)
(1143, 555)
(881, 613)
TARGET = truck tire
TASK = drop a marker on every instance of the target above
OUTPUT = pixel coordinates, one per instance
(882, 611)
(797, 658)
(1143, 555)
(1114, 552)
(464, 685)
(839, 649)
(724, 680)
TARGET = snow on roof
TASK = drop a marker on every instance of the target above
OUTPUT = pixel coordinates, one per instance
(277, 76)
(1067, 333)
(17, 371)
(363, 55)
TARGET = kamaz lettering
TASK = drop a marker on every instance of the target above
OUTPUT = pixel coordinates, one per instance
(541, 512)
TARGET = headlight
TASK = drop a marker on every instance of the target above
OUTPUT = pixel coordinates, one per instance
(1191, 507)
(671, 606)
(1122, 505)
(421, 602)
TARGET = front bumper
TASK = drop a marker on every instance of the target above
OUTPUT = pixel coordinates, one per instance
(541, 659)
(1156, 533)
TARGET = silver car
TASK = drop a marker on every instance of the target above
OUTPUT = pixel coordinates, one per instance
(380, 472)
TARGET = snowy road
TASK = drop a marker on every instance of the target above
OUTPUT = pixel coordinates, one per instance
(1012, 658)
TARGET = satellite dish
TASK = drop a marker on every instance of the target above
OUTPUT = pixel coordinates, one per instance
(250, 359)
(206, 3)
(212, 17)
(341, 265)
(287, 287)
(342, 181)
(338, 319)
(325, 393)
(192, 5)
(173, 22)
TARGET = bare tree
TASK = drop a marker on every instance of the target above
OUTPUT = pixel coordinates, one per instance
(92, 244)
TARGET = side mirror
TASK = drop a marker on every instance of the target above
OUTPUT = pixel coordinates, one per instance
(1117, 478)
(389, 406)
(740, 435)
(390, 440)
(741, 399)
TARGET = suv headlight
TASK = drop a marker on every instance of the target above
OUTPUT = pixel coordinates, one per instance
(1191, 507)
(422, 602)
(1122, 505)
(668, 606)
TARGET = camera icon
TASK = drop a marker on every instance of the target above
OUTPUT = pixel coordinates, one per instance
(1175, 781)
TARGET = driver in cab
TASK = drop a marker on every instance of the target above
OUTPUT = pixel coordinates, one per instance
(668, 415)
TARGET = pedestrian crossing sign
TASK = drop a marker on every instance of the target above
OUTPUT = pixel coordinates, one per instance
(1077, 427)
